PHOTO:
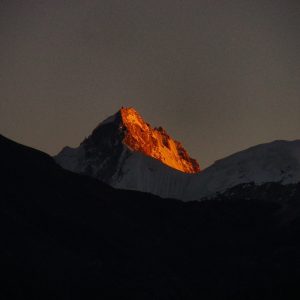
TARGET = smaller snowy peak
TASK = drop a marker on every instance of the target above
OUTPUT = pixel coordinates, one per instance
(278, 161)
(155, 142)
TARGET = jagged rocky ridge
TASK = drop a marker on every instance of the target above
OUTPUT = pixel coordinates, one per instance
(126, 152)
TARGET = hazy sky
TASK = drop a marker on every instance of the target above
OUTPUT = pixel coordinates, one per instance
(219, 76)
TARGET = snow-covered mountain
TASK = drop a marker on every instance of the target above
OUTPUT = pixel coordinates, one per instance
(126, 152)
(278, 161)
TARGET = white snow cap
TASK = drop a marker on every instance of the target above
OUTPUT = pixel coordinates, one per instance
(109, 159)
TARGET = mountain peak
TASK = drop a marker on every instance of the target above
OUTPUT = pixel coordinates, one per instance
(127, 152)
(127, 127)
(155, 142)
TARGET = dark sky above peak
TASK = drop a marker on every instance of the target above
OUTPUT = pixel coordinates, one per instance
(219, 76)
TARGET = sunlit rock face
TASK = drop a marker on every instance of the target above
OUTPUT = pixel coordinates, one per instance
(155, 142)
(126, 152)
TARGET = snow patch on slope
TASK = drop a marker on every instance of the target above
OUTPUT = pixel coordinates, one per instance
(143, 173)
(278, 161)
(70, 158)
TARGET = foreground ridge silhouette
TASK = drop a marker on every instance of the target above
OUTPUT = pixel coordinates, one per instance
(66, 236)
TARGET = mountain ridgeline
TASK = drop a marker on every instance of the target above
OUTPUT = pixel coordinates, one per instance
(127, 153)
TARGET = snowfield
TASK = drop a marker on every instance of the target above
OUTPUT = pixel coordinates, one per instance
(278, 161)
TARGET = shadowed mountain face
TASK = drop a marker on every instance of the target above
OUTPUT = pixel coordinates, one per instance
(127, 131)
(66, 235)
(127, 153)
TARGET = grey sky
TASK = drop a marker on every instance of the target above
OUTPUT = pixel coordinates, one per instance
(219, 76)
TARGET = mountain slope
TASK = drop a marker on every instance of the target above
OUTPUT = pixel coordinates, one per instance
(65, 236)
(126, 152)
(155, 142)
(278, 161)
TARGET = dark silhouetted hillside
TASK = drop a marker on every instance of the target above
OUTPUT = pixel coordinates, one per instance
(67, 236)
